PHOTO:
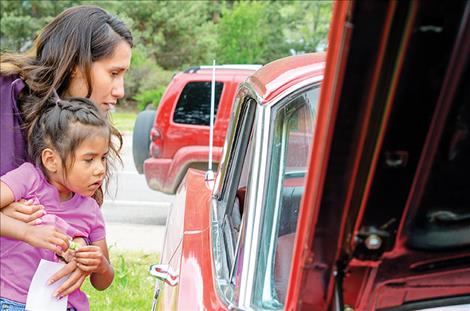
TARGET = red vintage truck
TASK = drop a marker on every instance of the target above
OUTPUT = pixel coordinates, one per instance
(355, 197)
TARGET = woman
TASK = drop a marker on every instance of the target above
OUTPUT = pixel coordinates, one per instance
(84, 52)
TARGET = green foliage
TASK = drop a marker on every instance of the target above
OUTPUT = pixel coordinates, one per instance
(311, 33)
(246, 34)
(124, 121)
(144, 77)
(132, 288)
(21, 21)
(172, 35)
(149, 97)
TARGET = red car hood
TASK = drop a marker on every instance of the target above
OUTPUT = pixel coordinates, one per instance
(386, 223)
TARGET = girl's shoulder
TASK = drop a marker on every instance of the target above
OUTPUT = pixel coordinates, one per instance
(86, 202)
(26, 170)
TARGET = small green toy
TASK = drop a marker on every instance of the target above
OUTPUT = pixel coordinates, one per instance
(73, 246)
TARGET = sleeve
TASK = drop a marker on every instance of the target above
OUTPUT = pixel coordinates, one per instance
(22, 181)
(98, 231)
(62, 225)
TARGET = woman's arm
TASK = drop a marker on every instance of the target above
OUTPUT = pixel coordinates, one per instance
(95, 259)
(38, 236)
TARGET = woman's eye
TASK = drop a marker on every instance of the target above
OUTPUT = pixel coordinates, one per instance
(114, 73)
(88, 160)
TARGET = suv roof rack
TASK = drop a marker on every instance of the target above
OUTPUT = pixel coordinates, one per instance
(227, 66)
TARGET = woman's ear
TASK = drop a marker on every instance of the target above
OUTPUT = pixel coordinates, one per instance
(50, 160)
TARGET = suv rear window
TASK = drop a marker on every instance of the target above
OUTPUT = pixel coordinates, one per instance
(194, 104)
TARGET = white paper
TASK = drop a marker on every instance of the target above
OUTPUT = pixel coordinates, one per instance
(40, 294)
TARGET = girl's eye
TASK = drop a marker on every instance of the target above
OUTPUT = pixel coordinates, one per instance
(114, 73)
(88, 160)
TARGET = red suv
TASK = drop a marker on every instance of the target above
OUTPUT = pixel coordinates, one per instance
(180, 134)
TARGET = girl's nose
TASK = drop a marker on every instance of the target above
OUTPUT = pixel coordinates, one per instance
(100, 168)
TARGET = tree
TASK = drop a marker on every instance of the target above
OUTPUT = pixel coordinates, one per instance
(246, 35)
(307, 25)
(21, 21)
(174, 33)
(262, 31)
(171, 35)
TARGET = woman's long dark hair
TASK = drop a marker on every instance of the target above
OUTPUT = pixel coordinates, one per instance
(75, 39)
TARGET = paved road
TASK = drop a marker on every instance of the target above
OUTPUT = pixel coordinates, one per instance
(135, 215)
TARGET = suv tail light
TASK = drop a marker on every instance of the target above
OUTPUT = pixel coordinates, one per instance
(156, 142)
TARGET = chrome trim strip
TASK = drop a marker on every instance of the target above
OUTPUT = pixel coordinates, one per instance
(255, 199)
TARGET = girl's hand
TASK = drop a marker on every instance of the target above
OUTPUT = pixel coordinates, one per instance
(68, 255)
(75, 280)
(24, 211)
(91, 259)
(46, 237)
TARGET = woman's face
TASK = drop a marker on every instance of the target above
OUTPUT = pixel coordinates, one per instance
(107, 78)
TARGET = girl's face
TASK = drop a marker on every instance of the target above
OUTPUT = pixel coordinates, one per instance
(107, 78)
(88, 170)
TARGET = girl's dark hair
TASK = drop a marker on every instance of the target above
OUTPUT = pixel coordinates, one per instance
(63, 125)
(76, 38)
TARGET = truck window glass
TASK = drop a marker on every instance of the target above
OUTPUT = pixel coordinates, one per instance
(291, 139)
(194, 103)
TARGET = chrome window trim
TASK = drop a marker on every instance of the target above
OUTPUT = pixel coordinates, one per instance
(255, 198)
(245, 92)
(219, 204)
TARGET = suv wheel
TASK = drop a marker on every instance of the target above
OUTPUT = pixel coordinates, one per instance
(141, 138)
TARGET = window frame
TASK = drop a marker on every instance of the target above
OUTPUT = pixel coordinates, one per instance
(246, 251)
(288, 107)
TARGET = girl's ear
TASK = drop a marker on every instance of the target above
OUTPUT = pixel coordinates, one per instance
(50, 160)
(73, 75)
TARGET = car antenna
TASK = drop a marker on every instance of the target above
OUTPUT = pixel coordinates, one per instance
(210, 174)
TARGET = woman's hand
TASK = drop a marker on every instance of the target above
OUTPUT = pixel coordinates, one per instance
(91, 259)
(24, 211)
(47, 237)
(76, 279)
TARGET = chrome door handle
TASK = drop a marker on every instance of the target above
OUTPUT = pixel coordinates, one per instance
(165, 273)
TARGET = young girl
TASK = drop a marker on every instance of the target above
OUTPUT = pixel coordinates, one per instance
(70, 143)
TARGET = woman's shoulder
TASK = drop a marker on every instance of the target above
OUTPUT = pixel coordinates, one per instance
(11, 86)
(11, 80)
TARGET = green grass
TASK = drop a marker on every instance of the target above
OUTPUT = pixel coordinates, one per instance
(124, 121)
(132, 288)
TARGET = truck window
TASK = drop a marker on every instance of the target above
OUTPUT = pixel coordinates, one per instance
(194, 103)
(291, 138)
